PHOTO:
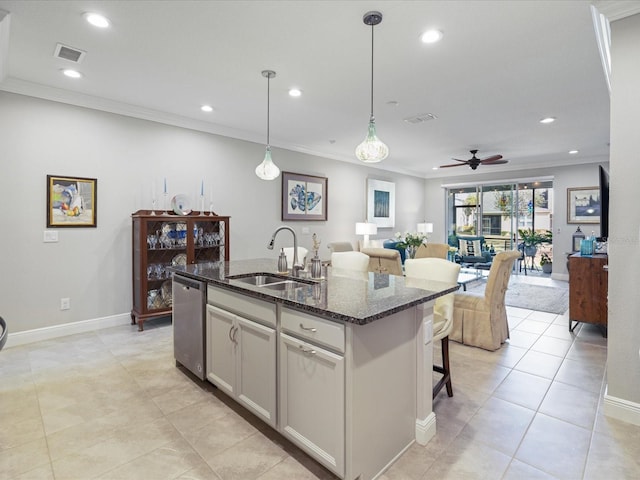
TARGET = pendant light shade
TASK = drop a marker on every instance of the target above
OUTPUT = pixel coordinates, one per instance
(372, 149)
(268, 170)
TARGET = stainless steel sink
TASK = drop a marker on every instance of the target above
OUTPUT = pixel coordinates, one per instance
(272, 282)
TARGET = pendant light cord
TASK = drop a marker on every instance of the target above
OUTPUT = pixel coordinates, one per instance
(372, 70)
(268, 96)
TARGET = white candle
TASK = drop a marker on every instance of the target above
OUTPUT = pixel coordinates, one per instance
(202, 188)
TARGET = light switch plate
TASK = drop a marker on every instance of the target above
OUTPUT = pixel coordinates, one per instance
(50, 236)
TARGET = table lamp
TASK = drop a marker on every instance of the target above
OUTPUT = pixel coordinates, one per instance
(366, 229)
(425, 228)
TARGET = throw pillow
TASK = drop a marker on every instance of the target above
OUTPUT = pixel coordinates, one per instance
(470, 248)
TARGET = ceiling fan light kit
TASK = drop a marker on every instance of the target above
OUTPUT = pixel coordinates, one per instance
(474, 161)
(372, 149)
(268, 170)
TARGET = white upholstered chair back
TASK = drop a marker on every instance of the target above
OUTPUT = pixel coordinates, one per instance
(357, 261)
(439, 269)
(302, 256)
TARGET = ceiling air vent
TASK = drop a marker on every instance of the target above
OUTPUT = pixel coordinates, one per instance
(72, 54)
(423, 117)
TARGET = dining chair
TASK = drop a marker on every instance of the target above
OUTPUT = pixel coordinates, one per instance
(3, 332)
(302, 256)
(479, 319)
(384, 260)
(433, 250)
(357, 261)
(445, 271)
(340, 247)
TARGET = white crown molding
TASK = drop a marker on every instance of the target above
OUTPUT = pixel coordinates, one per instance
(617, 9)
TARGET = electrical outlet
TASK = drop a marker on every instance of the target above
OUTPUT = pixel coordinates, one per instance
(65, 303)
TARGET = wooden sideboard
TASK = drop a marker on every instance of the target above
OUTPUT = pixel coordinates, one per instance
(588, 290)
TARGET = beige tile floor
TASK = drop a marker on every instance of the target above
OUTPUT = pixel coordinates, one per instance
(112, 405)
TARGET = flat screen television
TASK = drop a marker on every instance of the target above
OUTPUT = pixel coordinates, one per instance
(604, 204)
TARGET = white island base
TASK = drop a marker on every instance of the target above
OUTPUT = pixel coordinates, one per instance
(354, 397)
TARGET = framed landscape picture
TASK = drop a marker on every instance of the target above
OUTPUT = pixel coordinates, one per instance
(304, 197)
(583, 205)
(381, 203)
(71, 201)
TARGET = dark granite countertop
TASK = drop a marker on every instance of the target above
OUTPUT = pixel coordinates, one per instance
(343, 295)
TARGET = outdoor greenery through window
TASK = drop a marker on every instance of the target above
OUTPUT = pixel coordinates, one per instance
(498, 212)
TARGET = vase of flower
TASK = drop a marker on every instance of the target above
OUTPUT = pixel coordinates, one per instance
(410, 242)
(411, 251)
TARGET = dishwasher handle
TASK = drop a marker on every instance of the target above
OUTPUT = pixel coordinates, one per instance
(187, 282)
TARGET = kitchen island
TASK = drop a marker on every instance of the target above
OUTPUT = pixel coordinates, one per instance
(342, 366)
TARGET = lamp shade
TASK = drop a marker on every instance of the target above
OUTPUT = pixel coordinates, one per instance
(365, 228)
(267, 170)
(425, 228)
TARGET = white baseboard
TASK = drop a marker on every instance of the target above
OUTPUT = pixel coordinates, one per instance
(621, 409)
(425, 429)
(560, 276)
(56, 331)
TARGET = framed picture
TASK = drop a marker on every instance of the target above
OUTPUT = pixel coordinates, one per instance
(381, 203)
(583, 205)
(71, 201)
(304, 197)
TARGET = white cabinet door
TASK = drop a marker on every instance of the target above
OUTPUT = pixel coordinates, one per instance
(312, 401)
(256, 368)
(241, 361)
(221, 349)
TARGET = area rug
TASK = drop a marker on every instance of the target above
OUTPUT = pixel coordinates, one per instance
(533, 297)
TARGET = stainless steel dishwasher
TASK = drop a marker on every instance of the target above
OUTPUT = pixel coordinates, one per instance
(189, 298)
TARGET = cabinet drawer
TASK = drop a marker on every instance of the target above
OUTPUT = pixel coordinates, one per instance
(315, 329)
(262, 311)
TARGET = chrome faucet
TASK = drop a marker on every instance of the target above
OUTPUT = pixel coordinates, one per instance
(296, 267)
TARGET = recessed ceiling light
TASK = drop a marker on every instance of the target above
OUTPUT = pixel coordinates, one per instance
(431, 36)
(573, 152)
(295, 92)
(206, 108)
(71, 73)
(548, 120)
(97, 20)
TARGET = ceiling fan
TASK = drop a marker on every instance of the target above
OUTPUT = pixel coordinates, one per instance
(474, 161)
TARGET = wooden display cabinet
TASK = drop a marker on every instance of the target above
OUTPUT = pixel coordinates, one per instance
(160, 241)
(588, 290)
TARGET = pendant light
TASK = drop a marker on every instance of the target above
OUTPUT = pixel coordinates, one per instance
(268, 170)
(372, 150)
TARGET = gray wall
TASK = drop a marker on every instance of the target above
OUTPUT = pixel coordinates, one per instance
(92, 266)
(623, 371)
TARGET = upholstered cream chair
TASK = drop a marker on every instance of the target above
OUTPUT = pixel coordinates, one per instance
(340, 247)
(481, 320)
(302, 256)
(357, 261)
(433, 250)
(384, 260)
(445, 271)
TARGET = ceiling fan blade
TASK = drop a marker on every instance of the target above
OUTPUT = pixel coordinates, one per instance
(458, 160)
(491, 158)
(453, 165)
(494, 162)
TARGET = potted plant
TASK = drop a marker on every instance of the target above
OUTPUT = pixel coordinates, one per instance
(545, 262)
(410, 242)
(532, 239)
